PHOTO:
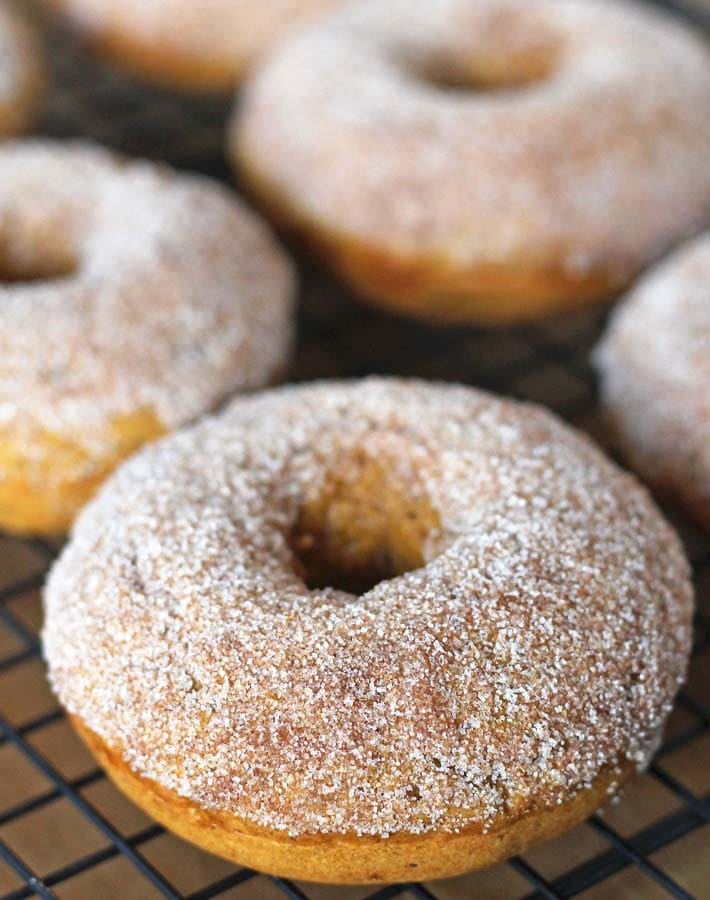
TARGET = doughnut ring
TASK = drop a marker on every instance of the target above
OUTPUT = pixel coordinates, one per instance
(483, 161)
(370, 631)
(134, 300)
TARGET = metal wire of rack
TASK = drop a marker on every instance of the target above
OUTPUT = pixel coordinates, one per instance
(338, 337)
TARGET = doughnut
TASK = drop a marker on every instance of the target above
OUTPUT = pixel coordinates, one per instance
(370, 631)
(132, 299)
(482, 161)
(180, 43)
(21, 73)
(654, 365)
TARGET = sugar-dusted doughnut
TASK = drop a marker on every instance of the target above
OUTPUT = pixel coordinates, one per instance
(514, 662)
(131, 300)
(483, 160)
(655, 377)
(205, 45)
(22, 75)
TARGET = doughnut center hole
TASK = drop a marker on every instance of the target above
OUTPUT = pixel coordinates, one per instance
(22, 274)
(321, 567)
(365, 526)
(484, 76)
(37, 250)
(503, 51)
(453, 82)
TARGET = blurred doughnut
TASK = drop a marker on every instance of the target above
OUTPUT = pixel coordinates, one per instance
(655, 377)
(483, 160)
(132, 299)
(193, 44)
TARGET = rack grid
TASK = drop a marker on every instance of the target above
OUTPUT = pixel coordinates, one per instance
(66, 833)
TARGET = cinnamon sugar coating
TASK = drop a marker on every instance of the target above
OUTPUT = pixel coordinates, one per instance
(655, 376)
(540, 641)
(543, 136)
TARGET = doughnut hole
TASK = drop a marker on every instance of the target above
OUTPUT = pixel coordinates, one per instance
(45, 270)
(508, 49)
(489, 74)
(40, 253)
(41, 241)
(366, 524)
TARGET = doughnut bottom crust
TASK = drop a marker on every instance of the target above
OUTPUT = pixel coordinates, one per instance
(349, 859)
(45, 482)
(428, 286)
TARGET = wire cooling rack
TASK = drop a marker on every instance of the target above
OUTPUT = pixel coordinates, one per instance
(65, 832)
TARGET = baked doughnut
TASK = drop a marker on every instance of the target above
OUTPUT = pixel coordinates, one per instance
(21, 73)
(154, 296)
(483, 160)
(513, 664)
(204, 46)
(654, 364)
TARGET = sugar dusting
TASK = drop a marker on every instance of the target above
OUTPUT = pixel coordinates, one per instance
(598, 164)
(655, 368)
(178, 295)
(543, 640)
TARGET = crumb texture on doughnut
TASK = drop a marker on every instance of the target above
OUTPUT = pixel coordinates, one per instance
(523, 647)
(207, 45)
(132, 299)
(655, 377)
(21, 73)
(483, 160)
